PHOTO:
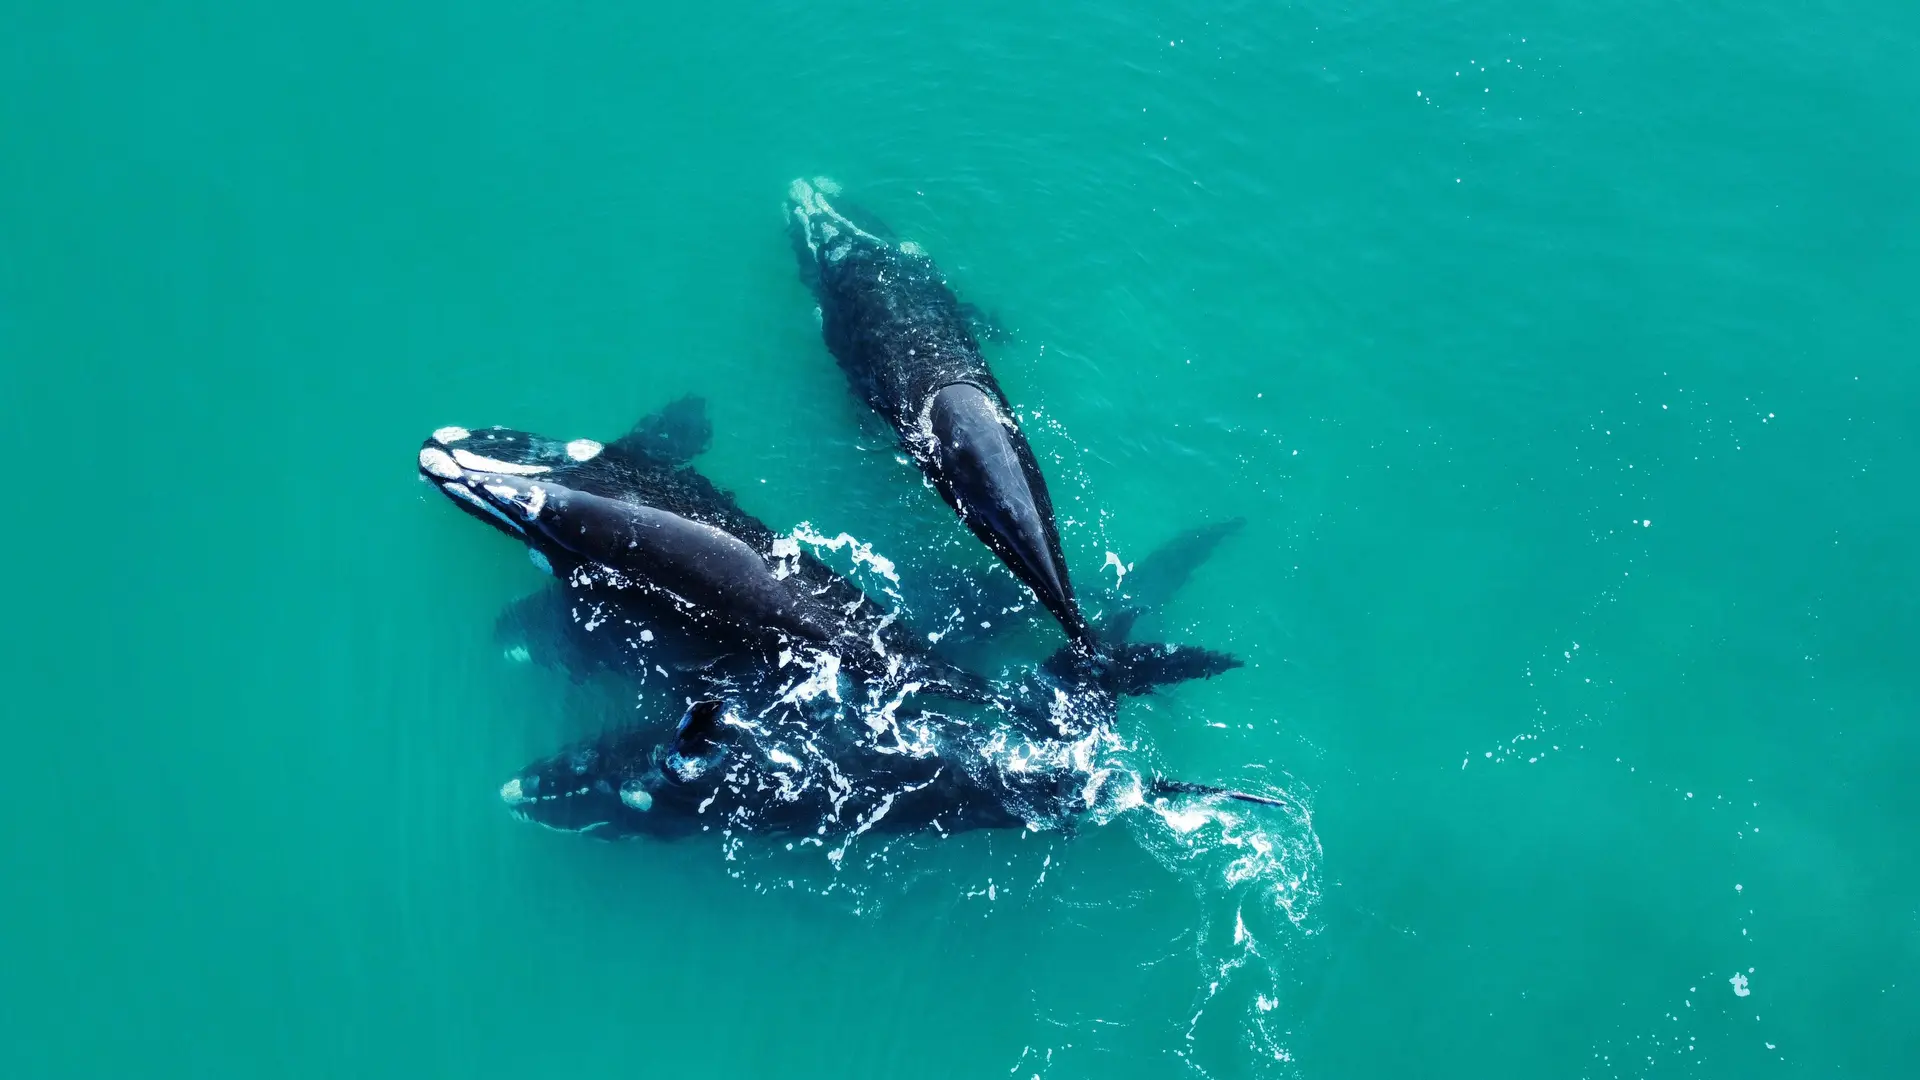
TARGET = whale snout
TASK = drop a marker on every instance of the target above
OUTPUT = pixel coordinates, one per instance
(823, 232)
(495, 474)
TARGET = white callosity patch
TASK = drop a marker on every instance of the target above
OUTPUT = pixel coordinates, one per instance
(450, 435)
(461, 493)
(529, 501)
(436, 462)
(539, 560)
(504, 468)
(636, 798)
(584, 449)
(511, 795)
(810, 205)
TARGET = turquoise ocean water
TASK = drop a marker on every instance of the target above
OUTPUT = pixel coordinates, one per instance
(1559, 358)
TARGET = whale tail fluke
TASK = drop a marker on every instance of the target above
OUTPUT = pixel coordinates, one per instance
(1140, 667)
(1160, 786)
(1134, 669)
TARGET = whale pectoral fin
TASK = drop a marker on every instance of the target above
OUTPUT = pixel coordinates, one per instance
(676, 434)
(984, 327)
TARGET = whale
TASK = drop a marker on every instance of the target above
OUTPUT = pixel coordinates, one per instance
(908, 349)
(654, 562)
(754, 761)
(726, 768)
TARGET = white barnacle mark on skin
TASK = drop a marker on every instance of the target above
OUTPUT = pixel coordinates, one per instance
(447, 435)
(505, 468)
(436, 462)
(459, 492)
(539, 560)
(584, 449)
(531, 503)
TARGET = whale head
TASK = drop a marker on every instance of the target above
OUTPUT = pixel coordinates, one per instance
(627, 784)
(500, 475)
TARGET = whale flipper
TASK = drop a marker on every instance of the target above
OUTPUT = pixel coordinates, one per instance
(676, 434)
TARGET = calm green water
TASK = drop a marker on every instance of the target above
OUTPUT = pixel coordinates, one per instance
(1449, 302)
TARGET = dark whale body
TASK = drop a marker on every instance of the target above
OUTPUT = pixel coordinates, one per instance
(904, 341)
(728, 769)
(653, 560)
(756, 763)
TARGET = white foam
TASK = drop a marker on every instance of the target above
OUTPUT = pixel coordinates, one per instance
(450, 435)
(584, 449)
(436, 462)
(505, 468)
